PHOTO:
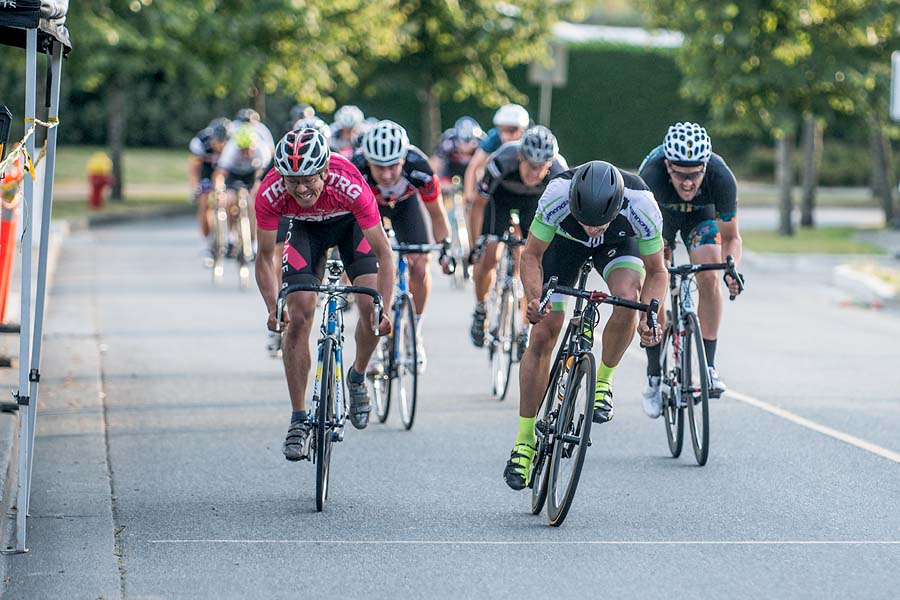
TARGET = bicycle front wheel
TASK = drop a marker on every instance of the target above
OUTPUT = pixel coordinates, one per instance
(405, 376)
(673, 410)
(379, 376)
(324, 423)
(220, 231)
(696, 388)
(245, 256)
(504, 345)
(573, 435)
(544, 427)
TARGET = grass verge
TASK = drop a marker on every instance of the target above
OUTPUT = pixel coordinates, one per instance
(822, 240)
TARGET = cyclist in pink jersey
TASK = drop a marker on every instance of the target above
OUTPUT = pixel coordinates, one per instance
(328, 204)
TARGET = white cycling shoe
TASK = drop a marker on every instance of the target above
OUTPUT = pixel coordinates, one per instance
(716, 386)
(652, 400)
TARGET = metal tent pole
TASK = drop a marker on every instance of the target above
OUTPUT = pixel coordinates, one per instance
(25, 406)
(34, 375)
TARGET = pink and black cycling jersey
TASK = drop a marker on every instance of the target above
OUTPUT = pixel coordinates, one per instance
(345, 192)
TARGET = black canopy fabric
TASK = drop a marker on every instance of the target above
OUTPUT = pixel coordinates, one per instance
(47, 16)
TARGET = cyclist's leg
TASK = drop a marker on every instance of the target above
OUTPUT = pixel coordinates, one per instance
(409, 225)
(705, 246)
(496, 220)
(623, 271)
(672, 224)
(304, 262)
(361, 266)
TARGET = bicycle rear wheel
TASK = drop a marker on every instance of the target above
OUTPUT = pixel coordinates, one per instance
(673, 411)
(696, 378)
(324, 423)
(573, 434)
(379, 377)
(544, 427)
(245, 254)
(503, 341)
(404, 376)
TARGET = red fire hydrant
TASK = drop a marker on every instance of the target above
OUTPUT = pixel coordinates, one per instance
(99, 172)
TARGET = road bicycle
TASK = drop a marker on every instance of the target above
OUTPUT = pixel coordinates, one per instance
(393, 370)
(237, 217)
(684, 382)
(503, 308)
(455, 204)
(328, 409)
(563, 426)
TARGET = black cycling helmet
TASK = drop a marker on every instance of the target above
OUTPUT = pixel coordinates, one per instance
(220, 129)
(247, 115)
(596, 193)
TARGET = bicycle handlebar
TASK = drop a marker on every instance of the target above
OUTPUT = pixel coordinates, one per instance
(330, 289)
(401, 248)
(727, 266)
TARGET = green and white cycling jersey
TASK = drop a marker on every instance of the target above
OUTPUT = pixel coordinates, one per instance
(640, 216)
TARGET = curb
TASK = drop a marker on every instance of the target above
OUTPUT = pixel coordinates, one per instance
(864, 287)
(138, 214)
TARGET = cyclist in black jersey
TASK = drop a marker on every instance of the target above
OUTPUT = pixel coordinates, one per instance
(403, 183)
(514, 180)
(455, 150)
(205, 149)
(697, 195)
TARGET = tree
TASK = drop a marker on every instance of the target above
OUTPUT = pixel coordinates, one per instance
(463, 48)
(761, 65)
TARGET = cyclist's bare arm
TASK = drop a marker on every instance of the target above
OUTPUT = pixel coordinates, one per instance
(378, 240)
(439, 223)
(267, 276)
(656, 285)
(194, 171)
(731, 240)
(473, 174)
(476, 216)
(436, 163)
(532, 274)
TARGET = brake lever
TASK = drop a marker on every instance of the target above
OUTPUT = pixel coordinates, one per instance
(546, 293)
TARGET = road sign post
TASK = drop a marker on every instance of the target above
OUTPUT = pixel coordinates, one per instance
(548, 76)
(895, 85)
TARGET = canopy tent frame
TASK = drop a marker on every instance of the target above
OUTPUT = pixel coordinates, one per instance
(44, 30)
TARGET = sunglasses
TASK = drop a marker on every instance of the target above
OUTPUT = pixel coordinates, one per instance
(694, 176)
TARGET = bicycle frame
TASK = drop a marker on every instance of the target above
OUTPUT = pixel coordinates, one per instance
(332, 328)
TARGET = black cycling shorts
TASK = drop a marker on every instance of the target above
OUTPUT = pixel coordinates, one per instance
(306, 248)
(407, 221)
(497, 213)
(698, 227)
(564, 258)
(248, 180)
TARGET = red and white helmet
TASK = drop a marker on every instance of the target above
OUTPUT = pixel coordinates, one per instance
(301, 152)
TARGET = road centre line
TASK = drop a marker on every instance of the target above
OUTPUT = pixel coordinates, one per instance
(803, 422)
(546, 543)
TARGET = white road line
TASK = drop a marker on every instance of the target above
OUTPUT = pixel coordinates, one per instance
(833, 433)
(548, 543)
(798, 420)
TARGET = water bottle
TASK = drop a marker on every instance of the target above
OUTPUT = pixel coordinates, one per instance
(561, 388)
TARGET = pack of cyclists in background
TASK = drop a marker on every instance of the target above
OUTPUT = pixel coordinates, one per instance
(340, 184)
(697, 195)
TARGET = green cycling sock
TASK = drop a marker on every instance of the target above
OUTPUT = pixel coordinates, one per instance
(604, 377)
(526, 432)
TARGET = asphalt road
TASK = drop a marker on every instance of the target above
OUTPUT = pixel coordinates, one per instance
(159, 473)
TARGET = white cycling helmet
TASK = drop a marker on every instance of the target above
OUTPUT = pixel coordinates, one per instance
(314, 123)
(385, 144)
(348, 117)
(687, 144)
(511, 115)
(538, 145)
(301, 152)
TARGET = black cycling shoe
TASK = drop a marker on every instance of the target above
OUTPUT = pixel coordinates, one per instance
(477, 331)
(603, 406)
(518, 466)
